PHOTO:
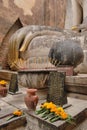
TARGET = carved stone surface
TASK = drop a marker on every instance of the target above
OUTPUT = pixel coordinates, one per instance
(56, 92)
(77, 110)
(13, 87)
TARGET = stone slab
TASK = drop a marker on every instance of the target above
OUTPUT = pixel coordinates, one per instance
(6, 74)
(12, 124)
(5, 113)
(77, 96)
(6, 109)
(78, 110)
(16, 100)
(82, 126)
(67, 69)
(8, 105)
(80, 79)
(77, 84)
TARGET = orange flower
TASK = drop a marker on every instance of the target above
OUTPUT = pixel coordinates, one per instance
(17, 113)
(60, 109)
(53, 110)
(64, 115)
(3, 82)
(44, 105)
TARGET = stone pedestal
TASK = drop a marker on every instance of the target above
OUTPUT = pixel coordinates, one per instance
(38, 78)
(77, 110)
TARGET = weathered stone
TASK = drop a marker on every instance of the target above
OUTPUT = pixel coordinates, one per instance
(6, 74)
(82, 68)
(77, 84)
(13, 87)
(37, 123)
(38, 78)
(41, 12)
(56, 88)
(67, 52)
(6, 112)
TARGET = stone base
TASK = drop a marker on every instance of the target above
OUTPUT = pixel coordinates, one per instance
(6, 113)
(76, 84)
(13, 124)
(77, 110)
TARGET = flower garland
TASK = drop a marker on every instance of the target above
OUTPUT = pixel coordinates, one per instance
(50, 111)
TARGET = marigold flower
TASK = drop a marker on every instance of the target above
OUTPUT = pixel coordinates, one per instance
(57, 113)
(3, 82)
(53, 112)
(64, 115)
(51, 106)
(44, 105)
(60, 109)
(17, 113)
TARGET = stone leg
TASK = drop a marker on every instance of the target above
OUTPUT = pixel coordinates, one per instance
(84, 8)
(77, 12)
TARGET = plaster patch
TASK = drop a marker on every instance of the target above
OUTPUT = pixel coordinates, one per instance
(26, 6)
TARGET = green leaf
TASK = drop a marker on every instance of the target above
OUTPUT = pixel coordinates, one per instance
(54, 119)
(45, 113)
(12, 117)
(49, 116)
(70, 120)
(42, 110)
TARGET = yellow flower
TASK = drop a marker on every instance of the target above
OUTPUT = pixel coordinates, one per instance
(64, 115)
(60, 109)
(53, 110)
(51, 106)
(17, 113)
(57, 112)
(3, 82)
(44, 105)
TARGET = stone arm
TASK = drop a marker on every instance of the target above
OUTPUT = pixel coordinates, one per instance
(82, 27)
(20, 41)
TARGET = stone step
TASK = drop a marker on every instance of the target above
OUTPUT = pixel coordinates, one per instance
(6, 74)
(77, 96)
(77, 84)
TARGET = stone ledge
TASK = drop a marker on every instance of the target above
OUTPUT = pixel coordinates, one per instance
(8, 105)
(6, 74)
(13, 124)
(77, 84)
(78, 110)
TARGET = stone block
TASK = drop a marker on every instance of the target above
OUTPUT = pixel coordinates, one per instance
(6, 74)
(38, 77)
(76, 84)
(77, 110)
(5, 113)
